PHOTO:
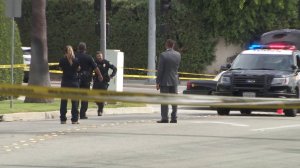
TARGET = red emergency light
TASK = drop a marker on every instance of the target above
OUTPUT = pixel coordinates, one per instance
(282, 46)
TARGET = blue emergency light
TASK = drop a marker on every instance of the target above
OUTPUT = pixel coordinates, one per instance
(281, 46)
(255, 46)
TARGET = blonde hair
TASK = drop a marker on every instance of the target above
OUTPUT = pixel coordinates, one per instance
(69, 53)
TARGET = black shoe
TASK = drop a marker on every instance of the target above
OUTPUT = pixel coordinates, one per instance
(173, 121)
(84, 117)
(75, 122)
(162, 121)
(100, 113)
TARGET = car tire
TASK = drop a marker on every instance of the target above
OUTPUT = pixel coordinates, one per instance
(245, 112)
(223, 111)
(298, 96)
(26, 77)
(290, 112)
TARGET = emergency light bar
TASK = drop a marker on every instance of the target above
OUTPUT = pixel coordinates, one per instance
(273, 46)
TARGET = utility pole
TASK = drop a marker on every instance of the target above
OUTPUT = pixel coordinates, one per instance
(151, 41)
(103, 27)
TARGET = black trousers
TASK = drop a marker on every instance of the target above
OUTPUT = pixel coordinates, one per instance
(101, 86)
(84, 104)
(64, 103)
(165, 107)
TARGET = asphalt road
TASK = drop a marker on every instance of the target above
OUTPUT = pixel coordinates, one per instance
(199, 139)
(136, 86)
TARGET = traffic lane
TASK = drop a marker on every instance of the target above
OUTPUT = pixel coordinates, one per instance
(18, 133)
(24, 131)
(257, 122)
(209, 110)
(138, 86)
(229, 141)
(148, 89)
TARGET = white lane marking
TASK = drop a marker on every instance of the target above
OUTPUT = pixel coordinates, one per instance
(218, 122)
(274, 128)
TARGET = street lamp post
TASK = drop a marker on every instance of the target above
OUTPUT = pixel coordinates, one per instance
(151, 41)
(103, 27)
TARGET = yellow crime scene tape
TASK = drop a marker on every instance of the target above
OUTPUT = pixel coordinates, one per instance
(183, 73)
(151, 70)
(139, 76)
(55, 71)
(209, 77)
(98, 95)
(55, 63)
(14, 66)
(148, 98)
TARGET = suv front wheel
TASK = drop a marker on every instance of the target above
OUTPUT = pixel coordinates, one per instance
(223, 111)
(290, 112)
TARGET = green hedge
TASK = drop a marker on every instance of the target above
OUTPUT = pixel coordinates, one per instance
(195, 25)
(68, 23)
(5, 49)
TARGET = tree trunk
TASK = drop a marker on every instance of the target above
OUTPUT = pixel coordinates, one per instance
(39, 69)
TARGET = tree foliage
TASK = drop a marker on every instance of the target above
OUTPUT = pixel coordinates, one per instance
(195, 24)
(243, 20)
(68, 23)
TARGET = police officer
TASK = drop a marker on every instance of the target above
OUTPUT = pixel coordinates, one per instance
(103, 66)
(87, 65)
(70, 66)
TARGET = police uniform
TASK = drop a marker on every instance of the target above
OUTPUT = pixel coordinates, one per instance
(69, 79)
(87, 65)
(103, 66)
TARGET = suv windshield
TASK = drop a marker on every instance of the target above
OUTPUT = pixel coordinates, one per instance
(26, 55)
(263, 62)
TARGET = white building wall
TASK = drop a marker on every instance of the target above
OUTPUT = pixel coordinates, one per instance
(223, 51)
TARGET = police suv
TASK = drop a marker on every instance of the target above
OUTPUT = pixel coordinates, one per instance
(26, 62)
(269, 70)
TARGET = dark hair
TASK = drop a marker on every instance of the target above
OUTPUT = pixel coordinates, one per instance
(81, 47)
(170, 43)
(99, 52)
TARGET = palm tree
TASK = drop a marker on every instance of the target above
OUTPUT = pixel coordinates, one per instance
(39, 70)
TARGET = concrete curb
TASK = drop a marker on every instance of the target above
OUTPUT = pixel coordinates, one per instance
(55, 114)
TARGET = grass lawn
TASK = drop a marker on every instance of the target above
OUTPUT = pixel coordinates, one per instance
(19, 106)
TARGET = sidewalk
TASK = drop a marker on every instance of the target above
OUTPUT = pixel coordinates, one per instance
(55, 114)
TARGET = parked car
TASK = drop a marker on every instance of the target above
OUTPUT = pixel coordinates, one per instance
(202, 87)
(26, 62)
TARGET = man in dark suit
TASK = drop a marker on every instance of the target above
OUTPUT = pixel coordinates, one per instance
(167, 78)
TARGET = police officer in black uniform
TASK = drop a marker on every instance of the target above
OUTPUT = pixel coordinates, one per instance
(103, 66)
(87, 65)
(70, 66)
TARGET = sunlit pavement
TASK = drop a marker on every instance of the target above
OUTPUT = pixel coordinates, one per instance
(199, 139)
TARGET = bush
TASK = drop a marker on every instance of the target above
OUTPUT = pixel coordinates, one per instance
(5, 50)
(70, 22)
(195, 25)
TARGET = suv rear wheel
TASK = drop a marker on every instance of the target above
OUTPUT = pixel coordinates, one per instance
(298, 96)
(223, 111)
(245, 112)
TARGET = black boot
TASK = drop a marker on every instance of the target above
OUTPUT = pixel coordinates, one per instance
(100, 113)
